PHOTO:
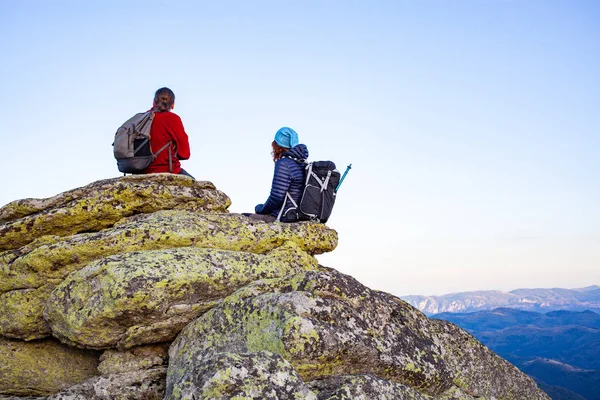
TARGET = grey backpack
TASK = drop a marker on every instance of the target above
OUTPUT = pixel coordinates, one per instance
(132, 144)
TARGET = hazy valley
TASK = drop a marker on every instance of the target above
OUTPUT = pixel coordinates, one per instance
(560, 349)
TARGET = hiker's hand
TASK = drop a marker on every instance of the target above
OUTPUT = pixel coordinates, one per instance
(258, 208)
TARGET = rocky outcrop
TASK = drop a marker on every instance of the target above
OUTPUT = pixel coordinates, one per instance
(145, 287)
(29, 274)
(101, 204)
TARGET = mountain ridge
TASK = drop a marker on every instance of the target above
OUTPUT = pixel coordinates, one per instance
(537, 299)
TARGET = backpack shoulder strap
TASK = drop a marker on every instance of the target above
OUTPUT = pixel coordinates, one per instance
(168, 144)
(287, 196)
(309, 172)
(162, 148)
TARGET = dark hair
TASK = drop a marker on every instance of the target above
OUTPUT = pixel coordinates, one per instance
(277, 151)
(164, 98)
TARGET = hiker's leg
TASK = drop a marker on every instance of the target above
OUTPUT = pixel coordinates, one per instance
(184, 172)
(262, 217)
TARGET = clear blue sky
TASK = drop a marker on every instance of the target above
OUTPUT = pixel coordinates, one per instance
(473, 126)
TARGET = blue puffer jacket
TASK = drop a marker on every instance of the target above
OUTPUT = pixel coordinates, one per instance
(288, 177)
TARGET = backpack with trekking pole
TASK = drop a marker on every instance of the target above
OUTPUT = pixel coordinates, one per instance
(318, 196)
(131, 147)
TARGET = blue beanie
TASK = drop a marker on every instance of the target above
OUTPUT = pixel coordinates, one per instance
(286, 137)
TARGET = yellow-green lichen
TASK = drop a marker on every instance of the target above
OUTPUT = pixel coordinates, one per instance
(101, 205)
(264, 333)
(42, 367)
(56, 257)
(21, 315)
(161, 230)
(299, 331)
(138, 293)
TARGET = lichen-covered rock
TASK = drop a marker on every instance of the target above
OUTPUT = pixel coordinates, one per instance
(45, 262)
(52, 259)
(146, 384)
(260, 375)
(137, 358)
(21, 313)
(102, 203)
(479, 371)
(363, 387)
(325, 324)
(369, 387)
(148, 297)
(42, 367)
(124, 264)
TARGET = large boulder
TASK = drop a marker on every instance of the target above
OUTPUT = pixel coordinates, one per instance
(258, 375)
(102, 203)
(148, 297)
(43, 367)
(327, 325)
(324, 323)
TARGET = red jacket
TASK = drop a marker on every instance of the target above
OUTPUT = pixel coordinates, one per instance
(167, 126)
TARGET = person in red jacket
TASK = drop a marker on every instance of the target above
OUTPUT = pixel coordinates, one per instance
(167, 128)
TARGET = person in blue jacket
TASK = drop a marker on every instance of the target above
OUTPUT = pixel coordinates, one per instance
(288, 179)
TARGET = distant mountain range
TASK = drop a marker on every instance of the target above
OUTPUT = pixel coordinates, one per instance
(560, 349)
(539, 300)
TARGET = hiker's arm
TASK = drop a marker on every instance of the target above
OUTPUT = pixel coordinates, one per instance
(279, 187)
(182, 145)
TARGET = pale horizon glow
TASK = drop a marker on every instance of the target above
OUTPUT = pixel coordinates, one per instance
(473, 127)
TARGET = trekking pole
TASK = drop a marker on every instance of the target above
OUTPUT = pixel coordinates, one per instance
(348, 168)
